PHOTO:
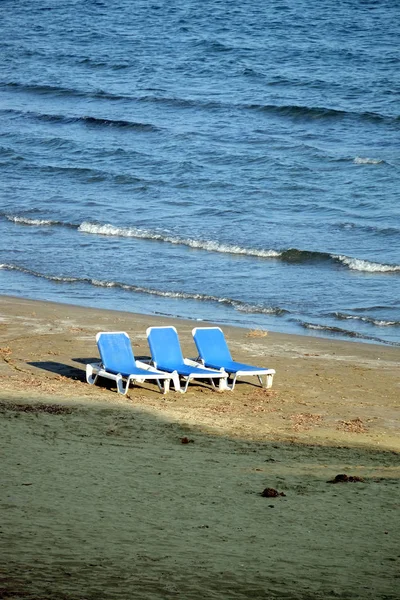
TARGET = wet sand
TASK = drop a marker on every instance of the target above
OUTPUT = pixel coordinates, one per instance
(100, 497)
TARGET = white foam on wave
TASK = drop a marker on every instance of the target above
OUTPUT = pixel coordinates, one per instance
(367, 161)
(358, 264)
(26, 221)
(355, 264)
(264, 310)
(315, 326)
(209, 245)
(369, 320)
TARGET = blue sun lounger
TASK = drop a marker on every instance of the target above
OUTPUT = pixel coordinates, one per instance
(119, 364)
(214, 354)
(167, 356)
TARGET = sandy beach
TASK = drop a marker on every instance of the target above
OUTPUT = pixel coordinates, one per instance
(102, 498)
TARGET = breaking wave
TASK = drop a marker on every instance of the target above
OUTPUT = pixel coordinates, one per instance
(366, 266)
(235, 304)
(211, 246)
(290, 255)
(331, 330)
(33, 222)
(369, 320)
(367, 161)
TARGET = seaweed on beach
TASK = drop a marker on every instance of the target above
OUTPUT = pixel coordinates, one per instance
(53, 409)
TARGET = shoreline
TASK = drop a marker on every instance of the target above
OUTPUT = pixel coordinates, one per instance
(302, 329)
(369, 341)
(345, 378)
(199, 495)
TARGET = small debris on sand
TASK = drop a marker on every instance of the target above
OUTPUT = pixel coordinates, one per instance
(257, 333)
(352, 426)
(271, 493)
(343, 478)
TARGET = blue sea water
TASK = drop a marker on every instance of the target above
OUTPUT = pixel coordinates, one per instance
(225, 161)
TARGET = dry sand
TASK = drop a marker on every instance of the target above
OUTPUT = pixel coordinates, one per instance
(100, 499)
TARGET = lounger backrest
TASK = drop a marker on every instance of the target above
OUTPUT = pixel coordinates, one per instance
(164, 346)
(116, 352)
(211, 345)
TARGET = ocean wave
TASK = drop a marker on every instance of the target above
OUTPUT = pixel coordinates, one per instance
(41, 88)
(58, 90)
(88, 174)
(10, 154)
(235, 304)
(363, 309)
(296, 256)
(95, 121)
(370, 229)
(210, 246)
(293, 255)
(214, 45)
(332, 330)
(55, 90)
(290, 255)
(32, 222)
(366, 266)
(289, 110)
(369, 320)
(85, 120)
(367, 161)
(100, 64)
(178, 102)
(318, 112)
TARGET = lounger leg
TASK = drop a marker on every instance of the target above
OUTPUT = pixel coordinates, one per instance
(268, 381)
(187, 381)
(234, 382)
(89, 375)
(176, 382)
(164, 390)
(261, 381)
(120, 385)
(161, 387)
(223, 384)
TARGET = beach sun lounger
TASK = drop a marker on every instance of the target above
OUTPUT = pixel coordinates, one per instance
(167, 356)
(119, 364)
(214, 354)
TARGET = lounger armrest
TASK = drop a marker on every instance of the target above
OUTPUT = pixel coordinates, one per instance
(96, 365)
(256, 372)
(146, 366)
(195, 363)
(146, 360)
